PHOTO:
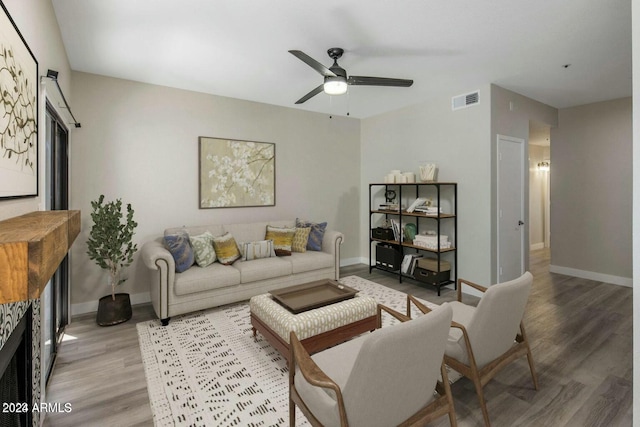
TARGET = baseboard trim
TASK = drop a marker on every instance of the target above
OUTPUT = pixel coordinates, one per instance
(591, 275)
(536, 246)
(353, 261)
(92, 306)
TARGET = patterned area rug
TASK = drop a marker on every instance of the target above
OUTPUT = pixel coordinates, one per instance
(206, 369)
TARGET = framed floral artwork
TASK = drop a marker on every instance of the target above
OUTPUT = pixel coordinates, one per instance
(236, 173)
(18, 113)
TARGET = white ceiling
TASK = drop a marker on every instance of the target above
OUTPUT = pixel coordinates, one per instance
(239, 48)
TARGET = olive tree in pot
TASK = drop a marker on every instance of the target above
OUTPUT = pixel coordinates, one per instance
(110, 246)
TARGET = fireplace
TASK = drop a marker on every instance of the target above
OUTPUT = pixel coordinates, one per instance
(16, 396)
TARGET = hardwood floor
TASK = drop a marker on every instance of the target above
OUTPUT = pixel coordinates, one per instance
(580, 330)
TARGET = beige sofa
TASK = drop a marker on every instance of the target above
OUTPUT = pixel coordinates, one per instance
(199, 288)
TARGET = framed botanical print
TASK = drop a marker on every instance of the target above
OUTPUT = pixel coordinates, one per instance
(236, 173)
(18, 113)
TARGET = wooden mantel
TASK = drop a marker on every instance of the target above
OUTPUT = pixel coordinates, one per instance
(32, 246)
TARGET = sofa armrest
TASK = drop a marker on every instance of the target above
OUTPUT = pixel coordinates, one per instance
(331, 244)
(155, 251)
(331, 241)
(162, 268)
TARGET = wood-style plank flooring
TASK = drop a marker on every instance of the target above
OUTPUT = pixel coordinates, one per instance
(580, 330)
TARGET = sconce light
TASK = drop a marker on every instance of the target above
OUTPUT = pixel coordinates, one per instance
(53, 76)
(544, 166)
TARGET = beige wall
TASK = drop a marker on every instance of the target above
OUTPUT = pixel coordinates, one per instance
(458, 141)
(38, 26)
(139, 142)
(591, 191)
(511, 115)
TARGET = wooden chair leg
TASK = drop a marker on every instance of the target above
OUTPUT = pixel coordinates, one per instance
(534, 377)
(453, 421)
(523, 337)
(292, 413)
(483, 404)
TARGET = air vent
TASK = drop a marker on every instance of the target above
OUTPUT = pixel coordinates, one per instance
(466, 100)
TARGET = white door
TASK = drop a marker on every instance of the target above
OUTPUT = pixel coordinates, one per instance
(511, 227)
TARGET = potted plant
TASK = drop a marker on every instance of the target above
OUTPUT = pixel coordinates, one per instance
(110, 246)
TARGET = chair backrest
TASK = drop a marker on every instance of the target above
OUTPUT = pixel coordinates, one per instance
(497, 318)
(396, 370)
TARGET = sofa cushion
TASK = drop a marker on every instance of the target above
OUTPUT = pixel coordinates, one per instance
(198, 279)
(202, 245)
(178, 245)
(261, 269)
(226, 249)
(282, 239)
(309, 261)
(316, 235)
(300, 239)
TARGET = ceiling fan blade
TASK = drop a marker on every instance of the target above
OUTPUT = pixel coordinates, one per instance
(311, 94)
(378, 81)
(312, 63)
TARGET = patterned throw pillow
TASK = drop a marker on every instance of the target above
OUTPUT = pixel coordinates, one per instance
(282, 239)
(180, 248)
(203, 248)
(257, 250)
(226, 249)
(300, 239)
(316, 235)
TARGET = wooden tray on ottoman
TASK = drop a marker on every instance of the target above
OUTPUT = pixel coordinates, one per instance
(312, 295)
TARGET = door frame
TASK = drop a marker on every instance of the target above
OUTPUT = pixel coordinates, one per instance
(57, 198)
(524, 194)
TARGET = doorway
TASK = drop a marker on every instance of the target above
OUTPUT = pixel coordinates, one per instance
(539, 186)
(55, 305)
(511, 205)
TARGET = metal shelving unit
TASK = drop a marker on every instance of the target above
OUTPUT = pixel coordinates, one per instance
(439, 219)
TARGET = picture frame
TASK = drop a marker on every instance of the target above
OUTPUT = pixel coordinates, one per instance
(235, 173)
(18, 113)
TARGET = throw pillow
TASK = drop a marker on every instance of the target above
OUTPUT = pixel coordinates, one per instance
(257, 250)
(316, 235)
(226, 249)
(203, 248)
(180, 248)
(300, 239)
(282, 239)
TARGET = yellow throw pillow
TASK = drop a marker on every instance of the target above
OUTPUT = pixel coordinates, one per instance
(226, 249)
(282, 239)
(300, 239)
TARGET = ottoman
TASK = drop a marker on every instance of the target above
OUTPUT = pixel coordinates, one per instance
(317, 329)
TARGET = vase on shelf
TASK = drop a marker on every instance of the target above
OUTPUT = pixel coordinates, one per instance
(428, 171)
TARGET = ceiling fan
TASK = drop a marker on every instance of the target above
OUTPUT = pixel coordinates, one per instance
(335, 77)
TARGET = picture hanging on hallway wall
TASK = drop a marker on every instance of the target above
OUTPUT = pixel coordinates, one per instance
(236, 173)
(18, 113)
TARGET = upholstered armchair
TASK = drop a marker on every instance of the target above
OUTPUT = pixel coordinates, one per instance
(485, 339)
(384, 378)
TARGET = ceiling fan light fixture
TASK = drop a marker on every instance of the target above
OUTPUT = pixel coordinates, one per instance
(335, 85)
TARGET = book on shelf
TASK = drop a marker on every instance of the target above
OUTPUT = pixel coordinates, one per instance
(397, 232)
(389, 207)
(409, 264)
(429, 210)
(418, 202)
